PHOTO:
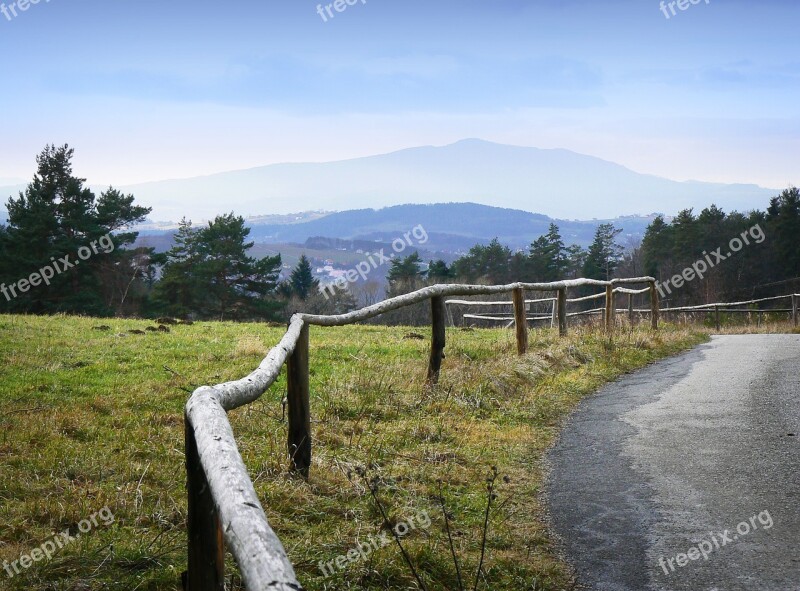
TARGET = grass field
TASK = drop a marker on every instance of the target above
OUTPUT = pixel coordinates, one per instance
(91, 417)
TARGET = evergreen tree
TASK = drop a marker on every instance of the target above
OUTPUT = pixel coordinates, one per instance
(235, 284)
(178, 291)
(575, 256)
(604, 253)
(548, 260)
(302, 280)
(405, 276)
(405, 270)
(490, 263)
(686, 237)
(783, 228)
(208, 273)
(657, 248)
(58, 217)
(439, 272)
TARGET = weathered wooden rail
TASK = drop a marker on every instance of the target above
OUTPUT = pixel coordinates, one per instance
(608, 310)
(733, 308)
(223, 508)
(717, 308)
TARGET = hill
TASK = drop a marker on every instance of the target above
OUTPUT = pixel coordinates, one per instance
(562, 183)
(450, 227)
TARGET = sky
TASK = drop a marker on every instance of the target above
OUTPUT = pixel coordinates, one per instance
(147, 90)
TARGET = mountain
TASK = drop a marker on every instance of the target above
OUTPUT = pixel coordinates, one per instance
(339, 241)
(449, 228)
(561, 183)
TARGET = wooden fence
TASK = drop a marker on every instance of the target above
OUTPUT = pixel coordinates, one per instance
(552, 317)
(718, 308)
(223, 508)
(736, 308)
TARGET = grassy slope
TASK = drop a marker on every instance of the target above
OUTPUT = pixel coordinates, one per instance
(93, 418)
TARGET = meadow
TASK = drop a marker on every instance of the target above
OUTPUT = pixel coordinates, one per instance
(92, 418)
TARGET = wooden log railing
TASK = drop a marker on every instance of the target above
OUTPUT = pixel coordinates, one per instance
(608, 310)
(719, 308)
(224, 509)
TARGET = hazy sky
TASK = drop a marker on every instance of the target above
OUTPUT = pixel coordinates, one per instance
(150, 90)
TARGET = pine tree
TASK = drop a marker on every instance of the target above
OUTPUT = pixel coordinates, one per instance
(209, 274)
(548, 260)
(178, 293)
(405, 270)
(439, 272)
(56, 217)
(234, 284)
(604, 254)
(657, 248)
(302, 280)
(783, 229)
(490, 263)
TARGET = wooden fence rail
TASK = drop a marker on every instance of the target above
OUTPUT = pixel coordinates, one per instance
(224, 509)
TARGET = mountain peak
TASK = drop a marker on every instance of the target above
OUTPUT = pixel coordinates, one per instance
(558, 183)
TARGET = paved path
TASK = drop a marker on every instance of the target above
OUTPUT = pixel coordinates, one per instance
(669, 458)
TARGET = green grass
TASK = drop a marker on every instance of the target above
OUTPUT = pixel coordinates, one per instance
(93, 418)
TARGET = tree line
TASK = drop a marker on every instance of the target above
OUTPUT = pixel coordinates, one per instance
(208, 274)
(695, 258)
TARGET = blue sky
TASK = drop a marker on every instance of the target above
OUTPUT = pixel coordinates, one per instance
(150, 90)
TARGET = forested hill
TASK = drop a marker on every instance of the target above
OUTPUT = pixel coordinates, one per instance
(450, 226)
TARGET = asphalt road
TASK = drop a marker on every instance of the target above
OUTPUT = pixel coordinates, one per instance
(669, 458)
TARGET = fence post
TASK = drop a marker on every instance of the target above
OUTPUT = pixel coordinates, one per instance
(554, 319)
(794, 309)
(438, 339)
(653, 306)
(206, 570)
(609, 308)
(562, 312)
(297, 399)
(716, 315)
(630, 308)
(520, 320)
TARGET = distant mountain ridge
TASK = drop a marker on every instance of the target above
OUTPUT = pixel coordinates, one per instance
(450, 227)
(562, 183)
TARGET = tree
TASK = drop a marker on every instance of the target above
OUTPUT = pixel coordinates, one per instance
(783, 228)
(405, 270)
(178, 291)
(548, 260)
(490, 263)
(657, 247)
(405, 276)
(209, 274)
(575, 256)
(686, 237)
(302, 280)
(439, 272)
(57, 219)
(604, 253)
